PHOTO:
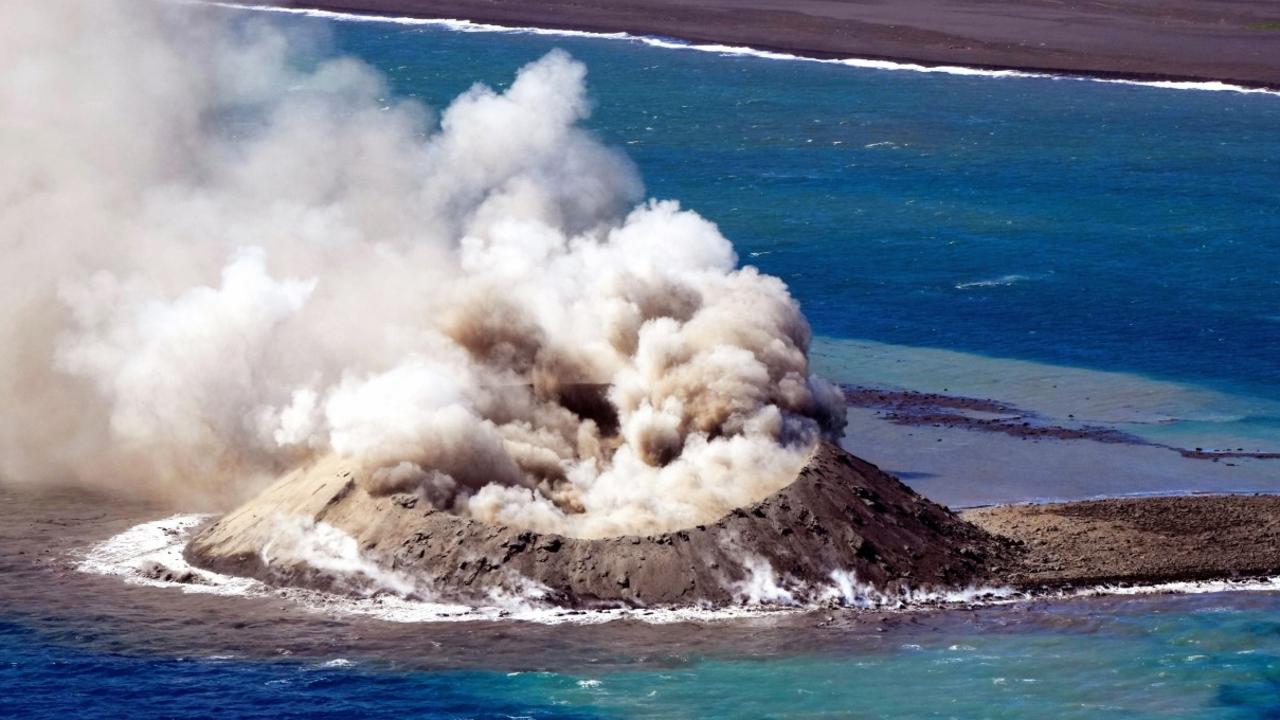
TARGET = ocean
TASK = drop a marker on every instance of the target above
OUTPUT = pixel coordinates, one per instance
(84, 645)
(1089, 251)
(1098, 253)
(1066, 222)
(1195, 660)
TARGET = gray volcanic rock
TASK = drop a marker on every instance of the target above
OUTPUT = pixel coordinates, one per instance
(1139, 540)
(840, 514)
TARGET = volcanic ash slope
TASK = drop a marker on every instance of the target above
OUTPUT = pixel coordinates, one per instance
(318, 527)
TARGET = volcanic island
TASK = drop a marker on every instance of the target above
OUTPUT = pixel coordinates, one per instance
(841, 517)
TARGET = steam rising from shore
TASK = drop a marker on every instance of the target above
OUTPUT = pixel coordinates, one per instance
(222, 262)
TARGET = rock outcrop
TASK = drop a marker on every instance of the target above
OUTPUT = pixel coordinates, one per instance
(841, 514)
(1138, 540)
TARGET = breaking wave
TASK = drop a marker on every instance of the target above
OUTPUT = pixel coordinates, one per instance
(150, 554)
(1002, 281)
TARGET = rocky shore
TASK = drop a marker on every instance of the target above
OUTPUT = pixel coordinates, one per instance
(840, 514)
(1138, 540)
(842, 522)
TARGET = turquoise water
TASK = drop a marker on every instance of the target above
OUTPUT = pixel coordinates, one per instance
(1198, 657)
(1104, 227)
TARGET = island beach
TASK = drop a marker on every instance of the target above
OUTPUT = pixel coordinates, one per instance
(1174, 40)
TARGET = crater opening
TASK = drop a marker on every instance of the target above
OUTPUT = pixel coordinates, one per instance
(607, 484)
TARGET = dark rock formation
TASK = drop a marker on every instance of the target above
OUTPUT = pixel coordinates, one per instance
(841, 514)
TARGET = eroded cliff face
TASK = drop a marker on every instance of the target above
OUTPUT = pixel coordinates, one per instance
(841, 519)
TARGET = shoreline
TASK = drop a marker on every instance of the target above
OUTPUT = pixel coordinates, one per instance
(1169, 49)
(843, 533)
(1060, 561)
(313, 641)
(1139, 541)
(120, 549)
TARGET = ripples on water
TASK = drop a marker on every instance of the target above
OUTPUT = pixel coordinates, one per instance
(76, 644)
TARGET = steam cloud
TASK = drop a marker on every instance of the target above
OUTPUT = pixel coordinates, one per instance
(221, 263)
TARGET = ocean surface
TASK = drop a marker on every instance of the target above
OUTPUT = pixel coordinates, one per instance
(1090, 250)
(86, 645)
(1218, 659)
(1065, 222)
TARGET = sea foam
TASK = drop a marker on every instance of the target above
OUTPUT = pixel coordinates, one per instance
(1002, 281)
(135, 554)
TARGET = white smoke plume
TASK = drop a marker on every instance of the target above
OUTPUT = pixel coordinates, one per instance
(222, 262)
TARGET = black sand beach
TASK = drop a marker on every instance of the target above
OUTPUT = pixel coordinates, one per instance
(1200, 40)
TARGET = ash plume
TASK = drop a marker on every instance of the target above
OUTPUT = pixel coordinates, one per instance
(222, 262)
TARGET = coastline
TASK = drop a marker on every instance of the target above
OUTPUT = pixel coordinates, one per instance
(1213, 46)
(314, 642)
(1071, 551)
(1138, 541)
(1064, 552)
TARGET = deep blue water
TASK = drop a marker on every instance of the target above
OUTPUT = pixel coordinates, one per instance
(1096, 225)
(1207, 657)
(40, 679)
